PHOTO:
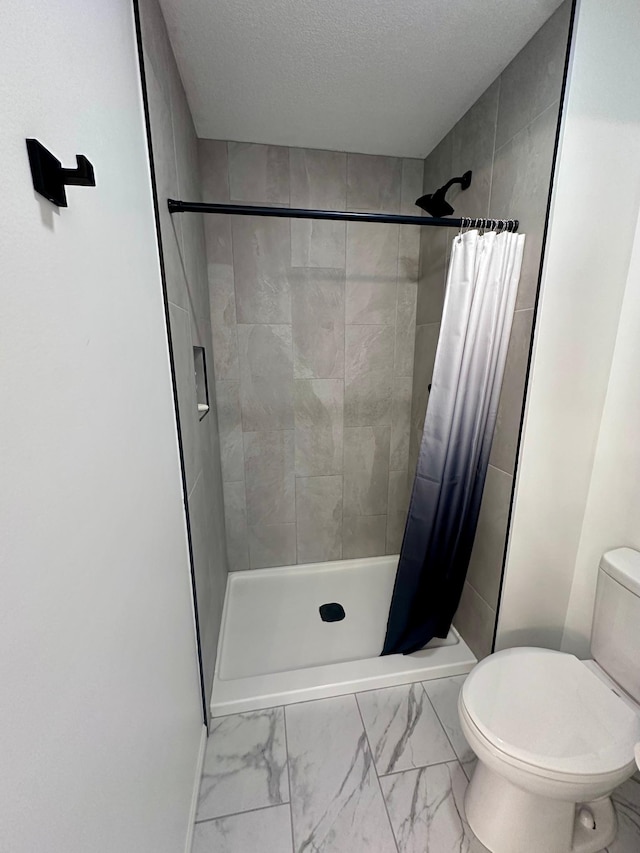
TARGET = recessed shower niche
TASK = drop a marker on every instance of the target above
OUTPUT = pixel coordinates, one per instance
(202, 388)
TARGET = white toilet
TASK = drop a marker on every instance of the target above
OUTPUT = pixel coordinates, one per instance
(555, 735)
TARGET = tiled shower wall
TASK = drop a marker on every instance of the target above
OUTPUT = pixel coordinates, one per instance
(313, 335)
(507, 139)
(175, 157)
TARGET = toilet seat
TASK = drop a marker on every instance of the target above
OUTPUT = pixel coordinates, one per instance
(549, 712)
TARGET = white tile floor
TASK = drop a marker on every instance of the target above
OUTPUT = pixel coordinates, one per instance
(383, 771)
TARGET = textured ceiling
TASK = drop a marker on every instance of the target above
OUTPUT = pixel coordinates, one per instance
(374, 76)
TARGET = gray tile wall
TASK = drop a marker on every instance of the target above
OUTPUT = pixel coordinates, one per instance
(507, 139)
(313, 335)
(175, 156)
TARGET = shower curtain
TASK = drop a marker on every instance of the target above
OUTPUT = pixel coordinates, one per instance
(482, 283)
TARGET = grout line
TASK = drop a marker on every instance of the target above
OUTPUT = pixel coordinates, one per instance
(236, 814)
(286, 748)
(268, 429)
(395, 361)
(316, 267)
(233, 261)
(375, 773)
(195, 483)
(421, 767)
(493, 147)
(484, 600)
(344, 350)
(554, 105)
(502, 471)
(179, 307)
(315, 476)
(442, 725)
(380, 325)
(295, 497)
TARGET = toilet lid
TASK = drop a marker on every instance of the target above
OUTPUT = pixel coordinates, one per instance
(549, 710)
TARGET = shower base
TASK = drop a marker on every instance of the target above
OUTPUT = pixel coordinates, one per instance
(276, 649)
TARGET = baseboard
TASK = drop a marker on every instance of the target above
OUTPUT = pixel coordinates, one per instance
(196, 790)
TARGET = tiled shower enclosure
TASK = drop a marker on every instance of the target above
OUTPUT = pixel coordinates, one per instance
(313, 335)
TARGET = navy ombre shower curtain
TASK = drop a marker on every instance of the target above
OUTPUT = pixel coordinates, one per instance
(482, 284)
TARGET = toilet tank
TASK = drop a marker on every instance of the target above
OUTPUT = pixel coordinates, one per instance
(615, 637)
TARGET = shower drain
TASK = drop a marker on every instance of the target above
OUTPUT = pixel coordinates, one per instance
(332, 612)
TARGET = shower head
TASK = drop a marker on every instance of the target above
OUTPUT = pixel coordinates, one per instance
(435, 204)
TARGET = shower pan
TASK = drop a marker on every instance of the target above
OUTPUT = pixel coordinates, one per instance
(276, 648)
(310, 631)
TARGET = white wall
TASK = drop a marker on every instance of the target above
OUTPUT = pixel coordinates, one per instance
(99, 695)
(612, 516)
(594, 211)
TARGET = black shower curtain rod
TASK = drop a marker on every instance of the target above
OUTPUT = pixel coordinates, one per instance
(340, 215)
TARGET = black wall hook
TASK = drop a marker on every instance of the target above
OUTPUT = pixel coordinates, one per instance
(49, 178)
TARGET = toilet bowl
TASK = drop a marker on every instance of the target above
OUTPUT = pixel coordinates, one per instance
(553, 740)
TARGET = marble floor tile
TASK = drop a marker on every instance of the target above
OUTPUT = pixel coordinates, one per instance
(336, 803)
(443, 694)
(245, 765)
(406, 798)
(426, 808)
(403, 729)
(262, 831)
